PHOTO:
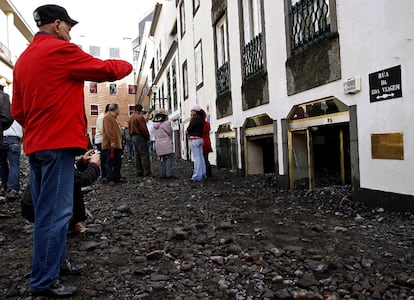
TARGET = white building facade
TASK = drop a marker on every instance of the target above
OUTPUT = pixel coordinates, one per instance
(15, 35)
(315, 92)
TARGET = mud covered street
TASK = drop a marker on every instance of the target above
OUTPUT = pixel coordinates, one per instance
(227, 238)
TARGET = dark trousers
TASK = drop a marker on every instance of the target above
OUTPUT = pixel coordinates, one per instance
(208, 166)
(103, 161)
(113, 165)
(142, 158)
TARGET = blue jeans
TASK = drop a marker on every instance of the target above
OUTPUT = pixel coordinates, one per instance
(199, 173)
(130, 149)
(51, 182)
(10, 163)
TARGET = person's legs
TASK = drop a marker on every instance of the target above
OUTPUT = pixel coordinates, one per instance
(4, 166)
(52, 183)
(168, 165)
(109, 165)
(208, 165)
(103, 161)
(130, 147)
(13, 156)
(163, 166)
(202, 162)
(117, 164)
(138, 163)
(199, 167)
(143, 150)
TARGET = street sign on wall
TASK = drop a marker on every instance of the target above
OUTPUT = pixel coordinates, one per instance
(385, 84)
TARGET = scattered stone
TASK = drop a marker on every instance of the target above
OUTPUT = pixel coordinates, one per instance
(253, 256)
(306, 295)
(234, 249)
(155, 255)
(87, 246)
(180, 234)
(307, 280)
(218, 260)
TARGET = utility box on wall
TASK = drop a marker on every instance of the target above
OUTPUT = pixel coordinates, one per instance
(352, 85)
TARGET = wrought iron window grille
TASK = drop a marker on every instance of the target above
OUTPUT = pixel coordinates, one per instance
(223, 78)
(253, 60)
(309, 21)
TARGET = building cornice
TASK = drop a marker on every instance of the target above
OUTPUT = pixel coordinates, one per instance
(19, 21)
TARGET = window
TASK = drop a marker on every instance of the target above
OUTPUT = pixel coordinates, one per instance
(182, 19)
(159, 54)
(170, 108)
(132, 89)
(93, 87)
(221, 36)
(185, 80)
(114, 53)
(174, 85)
(113, 90)
(252, 19)
(223, 70)
(196, 6)
(198, 55)
(131, 109)
(309, 20)
(95, 50)
(94, 109)
(253, 55)
(162, 95)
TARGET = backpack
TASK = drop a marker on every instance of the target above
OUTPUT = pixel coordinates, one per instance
(6, 118)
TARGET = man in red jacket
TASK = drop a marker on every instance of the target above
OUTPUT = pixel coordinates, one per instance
(48, 102)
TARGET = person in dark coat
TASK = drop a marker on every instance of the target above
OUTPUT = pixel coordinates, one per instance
(86, 173)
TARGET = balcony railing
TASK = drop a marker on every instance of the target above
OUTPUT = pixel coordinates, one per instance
(223, 78)
(309, 21)
(5, 52)
(253, 62)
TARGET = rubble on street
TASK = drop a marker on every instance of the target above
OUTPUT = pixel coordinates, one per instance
(229, 237)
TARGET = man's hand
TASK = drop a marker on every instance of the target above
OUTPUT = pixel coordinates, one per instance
(96, 158)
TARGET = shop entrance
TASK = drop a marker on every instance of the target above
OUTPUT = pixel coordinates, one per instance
(319, 148)
(259, 145)
(260, 155)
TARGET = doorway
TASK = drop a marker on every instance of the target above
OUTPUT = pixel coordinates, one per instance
(319, 156)
(260, 155)
(319, 144)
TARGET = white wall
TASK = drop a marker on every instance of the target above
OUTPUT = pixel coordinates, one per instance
(381, 36)
(373, 36)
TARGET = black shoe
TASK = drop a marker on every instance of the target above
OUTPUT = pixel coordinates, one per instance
(66, 268)
(58, 290)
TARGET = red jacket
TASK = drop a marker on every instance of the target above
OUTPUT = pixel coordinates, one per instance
(206, 138)
(48, 98)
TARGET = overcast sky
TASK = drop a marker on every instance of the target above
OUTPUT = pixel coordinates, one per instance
(98, 20)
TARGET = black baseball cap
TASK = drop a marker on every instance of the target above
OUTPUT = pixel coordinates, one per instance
(49, 13)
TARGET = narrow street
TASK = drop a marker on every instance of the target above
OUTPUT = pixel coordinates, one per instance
(227, 238)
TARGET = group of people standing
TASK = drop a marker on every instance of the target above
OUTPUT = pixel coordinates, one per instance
(143, 136)
(140, 136)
